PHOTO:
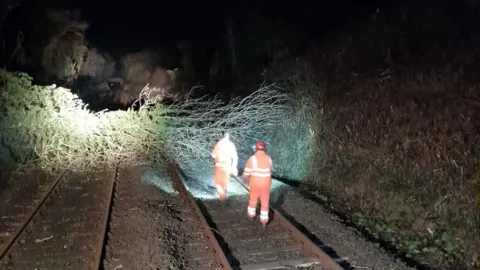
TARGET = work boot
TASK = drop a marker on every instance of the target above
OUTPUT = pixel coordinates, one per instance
(264, 225)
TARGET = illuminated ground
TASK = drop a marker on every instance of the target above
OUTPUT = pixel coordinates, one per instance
(149, 222)
(345, 241)
(201, 183)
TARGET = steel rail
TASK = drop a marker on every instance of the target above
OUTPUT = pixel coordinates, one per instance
(183, 188)
(4, 251)
(308, 245)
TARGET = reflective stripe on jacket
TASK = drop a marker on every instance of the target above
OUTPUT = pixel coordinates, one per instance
(259, 165)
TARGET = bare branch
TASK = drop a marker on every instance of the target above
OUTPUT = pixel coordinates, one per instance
(194, 124)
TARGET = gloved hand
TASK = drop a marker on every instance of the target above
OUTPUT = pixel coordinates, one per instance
(234, 171)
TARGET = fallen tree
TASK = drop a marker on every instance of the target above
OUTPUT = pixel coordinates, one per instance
(51, 127)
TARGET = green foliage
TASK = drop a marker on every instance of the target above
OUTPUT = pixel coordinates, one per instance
(360, 220)
(51, 127)
(444, 244)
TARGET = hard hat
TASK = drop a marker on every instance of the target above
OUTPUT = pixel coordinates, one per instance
(260, 146)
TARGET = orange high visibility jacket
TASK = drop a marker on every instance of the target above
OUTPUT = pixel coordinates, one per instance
(259, 167)
(225, 154)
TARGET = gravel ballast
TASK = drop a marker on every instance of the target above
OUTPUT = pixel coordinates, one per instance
(150, 227)
(346, 242)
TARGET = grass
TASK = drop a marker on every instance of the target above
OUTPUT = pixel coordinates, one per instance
(407, 165)
(400, 155)
(395, 124)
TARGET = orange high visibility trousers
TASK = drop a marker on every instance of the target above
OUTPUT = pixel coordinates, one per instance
(259, 191)
(221, 180)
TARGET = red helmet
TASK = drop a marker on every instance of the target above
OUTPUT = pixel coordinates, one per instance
(259, 146)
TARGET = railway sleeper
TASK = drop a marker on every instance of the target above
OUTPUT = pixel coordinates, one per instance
(244, 259)
(254, 238)
(245, 245)
(261, 251)
(281, 264)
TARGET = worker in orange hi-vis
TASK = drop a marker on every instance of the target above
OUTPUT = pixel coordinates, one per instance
(258, 172)
(226, 160)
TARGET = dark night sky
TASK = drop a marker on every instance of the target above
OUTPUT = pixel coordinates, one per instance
(203, 21)
(126, 26)
(144, 21)
(150, 19)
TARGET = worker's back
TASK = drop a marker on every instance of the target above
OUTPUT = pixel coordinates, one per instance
(226, 160)
(224, 151)
(260, 167)
(259, 172)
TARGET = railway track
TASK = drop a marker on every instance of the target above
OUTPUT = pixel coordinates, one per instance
(163, 232)
(17, 211)
(62, 226)
(242, 244)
